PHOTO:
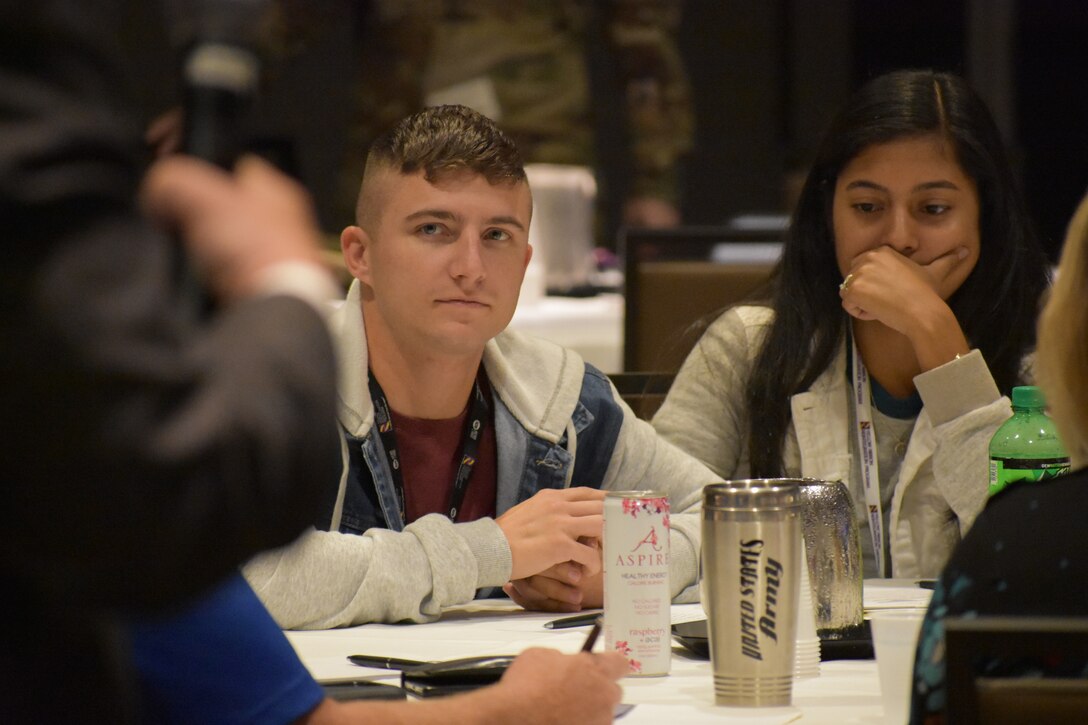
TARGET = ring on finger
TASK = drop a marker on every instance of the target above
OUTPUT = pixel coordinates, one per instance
(846, 282)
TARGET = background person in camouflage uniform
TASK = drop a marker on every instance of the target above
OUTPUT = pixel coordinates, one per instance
(597, 83)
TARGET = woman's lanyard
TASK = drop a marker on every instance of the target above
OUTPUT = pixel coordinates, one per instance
(477, 419)
(870, 471)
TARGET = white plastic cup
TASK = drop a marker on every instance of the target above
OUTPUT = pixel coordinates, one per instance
(807, 655)
(895, 638)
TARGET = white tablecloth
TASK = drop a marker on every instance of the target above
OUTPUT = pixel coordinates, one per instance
(591, 326)
(845, 692)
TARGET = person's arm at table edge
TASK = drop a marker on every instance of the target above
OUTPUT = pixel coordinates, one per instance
(329, 579)
(541, 686)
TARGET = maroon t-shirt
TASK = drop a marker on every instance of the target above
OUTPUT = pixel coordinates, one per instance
(430, 453)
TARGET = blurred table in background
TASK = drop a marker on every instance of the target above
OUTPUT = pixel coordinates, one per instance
(591, 326)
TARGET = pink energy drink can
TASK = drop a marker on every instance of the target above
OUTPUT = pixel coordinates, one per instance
(637, 601)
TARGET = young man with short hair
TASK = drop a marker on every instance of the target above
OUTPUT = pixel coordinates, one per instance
(474, 456)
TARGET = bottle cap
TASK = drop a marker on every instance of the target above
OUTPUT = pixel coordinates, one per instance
(1027, 396)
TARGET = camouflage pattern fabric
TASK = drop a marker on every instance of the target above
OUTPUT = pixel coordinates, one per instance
(530, 58)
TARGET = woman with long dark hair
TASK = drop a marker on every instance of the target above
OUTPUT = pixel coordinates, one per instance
(903, 307)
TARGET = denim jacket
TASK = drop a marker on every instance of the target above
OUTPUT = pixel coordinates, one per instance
(558, 423)
(526, 463)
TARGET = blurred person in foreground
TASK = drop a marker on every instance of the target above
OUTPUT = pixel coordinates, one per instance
(149, 447)
(1025, 554)
(474, 456)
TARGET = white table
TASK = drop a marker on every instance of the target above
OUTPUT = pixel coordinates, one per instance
(846, 691)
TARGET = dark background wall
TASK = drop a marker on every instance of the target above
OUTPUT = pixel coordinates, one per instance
(768, 75)
(1051, 110)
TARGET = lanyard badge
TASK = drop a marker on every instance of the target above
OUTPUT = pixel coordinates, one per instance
(870, 469)
(477, 420)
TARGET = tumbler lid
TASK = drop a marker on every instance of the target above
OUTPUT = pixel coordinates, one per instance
(757, 494)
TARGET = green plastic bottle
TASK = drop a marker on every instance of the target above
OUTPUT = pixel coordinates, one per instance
(1026, 446)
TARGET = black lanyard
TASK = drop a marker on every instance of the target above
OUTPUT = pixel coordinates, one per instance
(477, 419)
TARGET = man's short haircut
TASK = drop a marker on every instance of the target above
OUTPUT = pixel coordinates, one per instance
(440, 141)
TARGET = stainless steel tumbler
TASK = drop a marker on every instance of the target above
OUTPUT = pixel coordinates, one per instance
(751, 582)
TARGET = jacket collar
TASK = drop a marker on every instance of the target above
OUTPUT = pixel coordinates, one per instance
(538, 381)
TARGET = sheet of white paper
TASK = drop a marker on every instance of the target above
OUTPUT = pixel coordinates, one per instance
(894, 594)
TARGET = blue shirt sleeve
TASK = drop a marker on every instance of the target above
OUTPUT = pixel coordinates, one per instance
(223, 660)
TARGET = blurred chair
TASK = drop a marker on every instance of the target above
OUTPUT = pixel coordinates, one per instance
(644, 392)
(975, 698)
(675, 279)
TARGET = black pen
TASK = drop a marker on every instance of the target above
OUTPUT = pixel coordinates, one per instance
(578, 620)
(383, 663)
(593, 634)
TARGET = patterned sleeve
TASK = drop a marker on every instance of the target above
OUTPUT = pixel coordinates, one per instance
(928, 693)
